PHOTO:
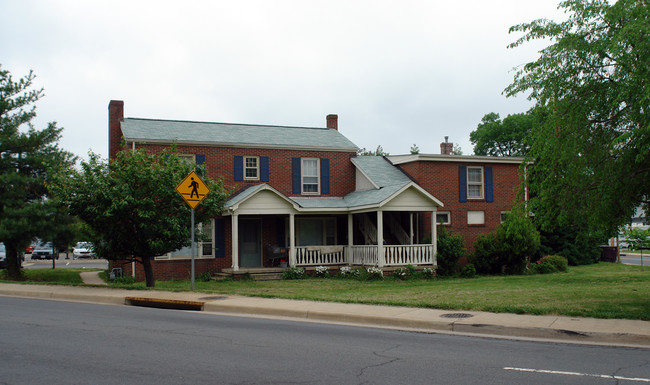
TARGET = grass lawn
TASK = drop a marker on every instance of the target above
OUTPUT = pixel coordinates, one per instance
(604, 290)
(48, 276)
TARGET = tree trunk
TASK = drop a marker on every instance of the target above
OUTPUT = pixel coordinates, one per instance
(13, 262)
(148, 271)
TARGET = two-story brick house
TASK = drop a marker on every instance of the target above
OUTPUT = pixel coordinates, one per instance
(304, 198)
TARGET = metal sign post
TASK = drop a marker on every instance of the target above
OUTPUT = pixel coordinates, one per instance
(193, 190)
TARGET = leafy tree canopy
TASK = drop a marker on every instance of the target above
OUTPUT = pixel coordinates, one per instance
(378, 152)
(590, 156)
(28, 159)
(507, 137)
(132, 206)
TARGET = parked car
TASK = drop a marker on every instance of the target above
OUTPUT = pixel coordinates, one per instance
(3, 256)
(83, 250)
(44, 251)
(29, 249)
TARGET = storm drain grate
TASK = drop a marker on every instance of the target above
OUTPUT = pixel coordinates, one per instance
(213, 298)
(457, 315)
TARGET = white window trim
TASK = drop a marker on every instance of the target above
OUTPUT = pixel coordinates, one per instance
(302, 177)
(482, 184)
(257, 167)
(471, 220)
(199, 249)
(448, 213)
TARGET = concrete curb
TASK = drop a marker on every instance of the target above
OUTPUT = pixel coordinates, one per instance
(629, 333)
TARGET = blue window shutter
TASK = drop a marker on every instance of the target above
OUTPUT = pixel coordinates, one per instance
(462, 184)
(219, 238)
(239, 168)
(295, 175)
(489, 194)
(200, 159)
(264, 168)
(325, 176)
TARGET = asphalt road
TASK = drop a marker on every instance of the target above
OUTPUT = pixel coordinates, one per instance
(635, 259)
(64, 343)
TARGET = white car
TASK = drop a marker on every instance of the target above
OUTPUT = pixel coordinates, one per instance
(83, 250)
(3, 256)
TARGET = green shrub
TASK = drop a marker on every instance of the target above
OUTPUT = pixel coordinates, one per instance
(550, 264)
(322, 271)
(204, 277)
(468, 271)
(373, 274)
(578, 246)
(450, 249)
(404, 273)
(544, 267)
(509, 249)
(294, 273)
(348, 272)
(428, 273)
(128, 280)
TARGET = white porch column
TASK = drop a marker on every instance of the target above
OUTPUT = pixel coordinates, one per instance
(380, 239)
(411, 226)
(348, 255)
(434, 238)
(292, 240)
(235, 241)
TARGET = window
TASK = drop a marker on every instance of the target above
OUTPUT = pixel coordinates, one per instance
(475, 217)
(310, 176)
(251, 168)
(443, 218)
(475, 182)
(315, 231)
(203, 241)
(504, 214)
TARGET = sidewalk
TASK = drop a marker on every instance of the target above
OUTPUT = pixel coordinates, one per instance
(560, 329)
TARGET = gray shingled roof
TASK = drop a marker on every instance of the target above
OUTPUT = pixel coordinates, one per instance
(149, 130)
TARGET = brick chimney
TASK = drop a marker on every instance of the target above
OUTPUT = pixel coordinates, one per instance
(333, 121)
(446, 148)
(115, 116)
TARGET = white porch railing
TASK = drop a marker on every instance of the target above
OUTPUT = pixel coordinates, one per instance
(408, 255)
(364, 255)
(320, 255)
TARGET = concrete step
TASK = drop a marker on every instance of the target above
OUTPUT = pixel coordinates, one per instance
(267, 276)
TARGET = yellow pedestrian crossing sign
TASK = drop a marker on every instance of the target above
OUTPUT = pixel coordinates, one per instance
(193, 189)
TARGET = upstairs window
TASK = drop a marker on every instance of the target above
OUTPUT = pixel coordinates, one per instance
(475, 182)
(310, 176)
(251, 168)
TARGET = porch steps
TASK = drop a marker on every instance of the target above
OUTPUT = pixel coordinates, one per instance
(266, 276)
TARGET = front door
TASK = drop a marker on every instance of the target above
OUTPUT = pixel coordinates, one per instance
(250, 243)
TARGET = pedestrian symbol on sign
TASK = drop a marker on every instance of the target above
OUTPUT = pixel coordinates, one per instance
(193, 189)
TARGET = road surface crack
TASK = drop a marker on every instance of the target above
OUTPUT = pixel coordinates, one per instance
(380, 354)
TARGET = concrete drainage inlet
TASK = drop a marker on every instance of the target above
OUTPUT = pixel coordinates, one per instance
(213, 298)
(457, 315)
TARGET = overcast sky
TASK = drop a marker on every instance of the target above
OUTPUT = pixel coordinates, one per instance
(396, 72)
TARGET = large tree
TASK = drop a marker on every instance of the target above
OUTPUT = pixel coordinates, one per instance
(28, 159)
(131, 204)
(590, 157)
(507, 137)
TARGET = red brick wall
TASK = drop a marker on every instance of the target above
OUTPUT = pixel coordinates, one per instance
(115, 116)
(179, 269)
(440, 179)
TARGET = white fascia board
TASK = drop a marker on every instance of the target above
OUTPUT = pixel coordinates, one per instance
(401, 159)
(264, 187)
